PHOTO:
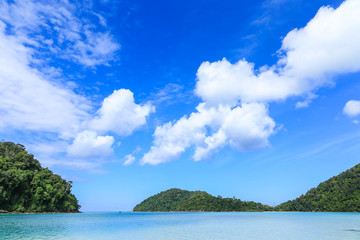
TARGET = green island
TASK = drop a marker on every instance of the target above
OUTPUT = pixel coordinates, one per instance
(176, 199)
(26, 187)
(338, 194)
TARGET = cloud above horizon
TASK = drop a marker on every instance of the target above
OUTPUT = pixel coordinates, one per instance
(120, 114)
(59, 28)
(43, 41)
(309, 58)
(89, 144)
(36, 97)
(246, 127)
(352, 108)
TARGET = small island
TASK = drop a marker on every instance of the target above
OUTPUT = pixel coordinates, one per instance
(177, 200)
(338, 194)
(26, 187)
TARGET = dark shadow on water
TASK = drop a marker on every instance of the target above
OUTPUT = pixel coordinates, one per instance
(353, 230)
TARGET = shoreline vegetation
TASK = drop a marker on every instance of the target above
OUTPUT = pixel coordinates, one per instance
(340, 193)
(27, 187)
(4, 212)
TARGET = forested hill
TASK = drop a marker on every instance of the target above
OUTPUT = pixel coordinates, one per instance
(181, 200)
(26, 186)
(338, 194)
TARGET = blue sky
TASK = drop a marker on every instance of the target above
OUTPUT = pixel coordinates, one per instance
(258, 100)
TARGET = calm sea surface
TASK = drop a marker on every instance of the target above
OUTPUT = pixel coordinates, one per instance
(208, 226)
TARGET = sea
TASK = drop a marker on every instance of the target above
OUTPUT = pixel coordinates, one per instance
(182, 226)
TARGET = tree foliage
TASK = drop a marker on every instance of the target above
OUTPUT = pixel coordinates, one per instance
(338, 194)
(26, 186)
(181, 200)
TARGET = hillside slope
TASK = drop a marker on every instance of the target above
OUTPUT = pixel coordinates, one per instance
(26, 186)
(338, 194)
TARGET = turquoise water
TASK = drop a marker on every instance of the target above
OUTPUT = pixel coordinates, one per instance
(176, 226)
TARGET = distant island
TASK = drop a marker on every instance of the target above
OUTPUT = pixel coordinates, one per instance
(338, 194)
(177, 200)
(25, 186)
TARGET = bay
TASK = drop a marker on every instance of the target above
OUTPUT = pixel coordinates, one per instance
(176, 226)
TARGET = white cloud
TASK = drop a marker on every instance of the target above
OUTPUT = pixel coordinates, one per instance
(89, 144)
(171, 93)
(68, 34)
(309, 59)
(352, 108)
(326, 46)
(32, 93)
(95, 49)
(129, 159)
(245, 127)
(28, 100)
(306, 102)
(248, 127)
(35, 97)
(210, 145)
(120, 114)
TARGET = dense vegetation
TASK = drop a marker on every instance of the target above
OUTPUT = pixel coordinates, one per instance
(338, 194)
(26, 186)
(181, 200)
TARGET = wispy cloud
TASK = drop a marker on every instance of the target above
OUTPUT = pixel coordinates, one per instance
(170, 94)
(346, 143)
(36, 97)
(59, 29)
(30, 100)
(129, 159)
(304, 104)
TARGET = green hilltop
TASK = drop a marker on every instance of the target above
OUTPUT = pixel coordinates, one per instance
(25, 186)
(181, 200)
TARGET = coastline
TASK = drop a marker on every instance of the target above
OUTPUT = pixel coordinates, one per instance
(4, 212)
(243, 212)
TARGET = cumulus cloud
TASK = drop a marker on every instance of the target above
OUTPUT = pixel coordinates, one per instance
(89, 144)
(309, 58)
(352, 108)
(248, 127)
(244, 127)
(120, 114)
